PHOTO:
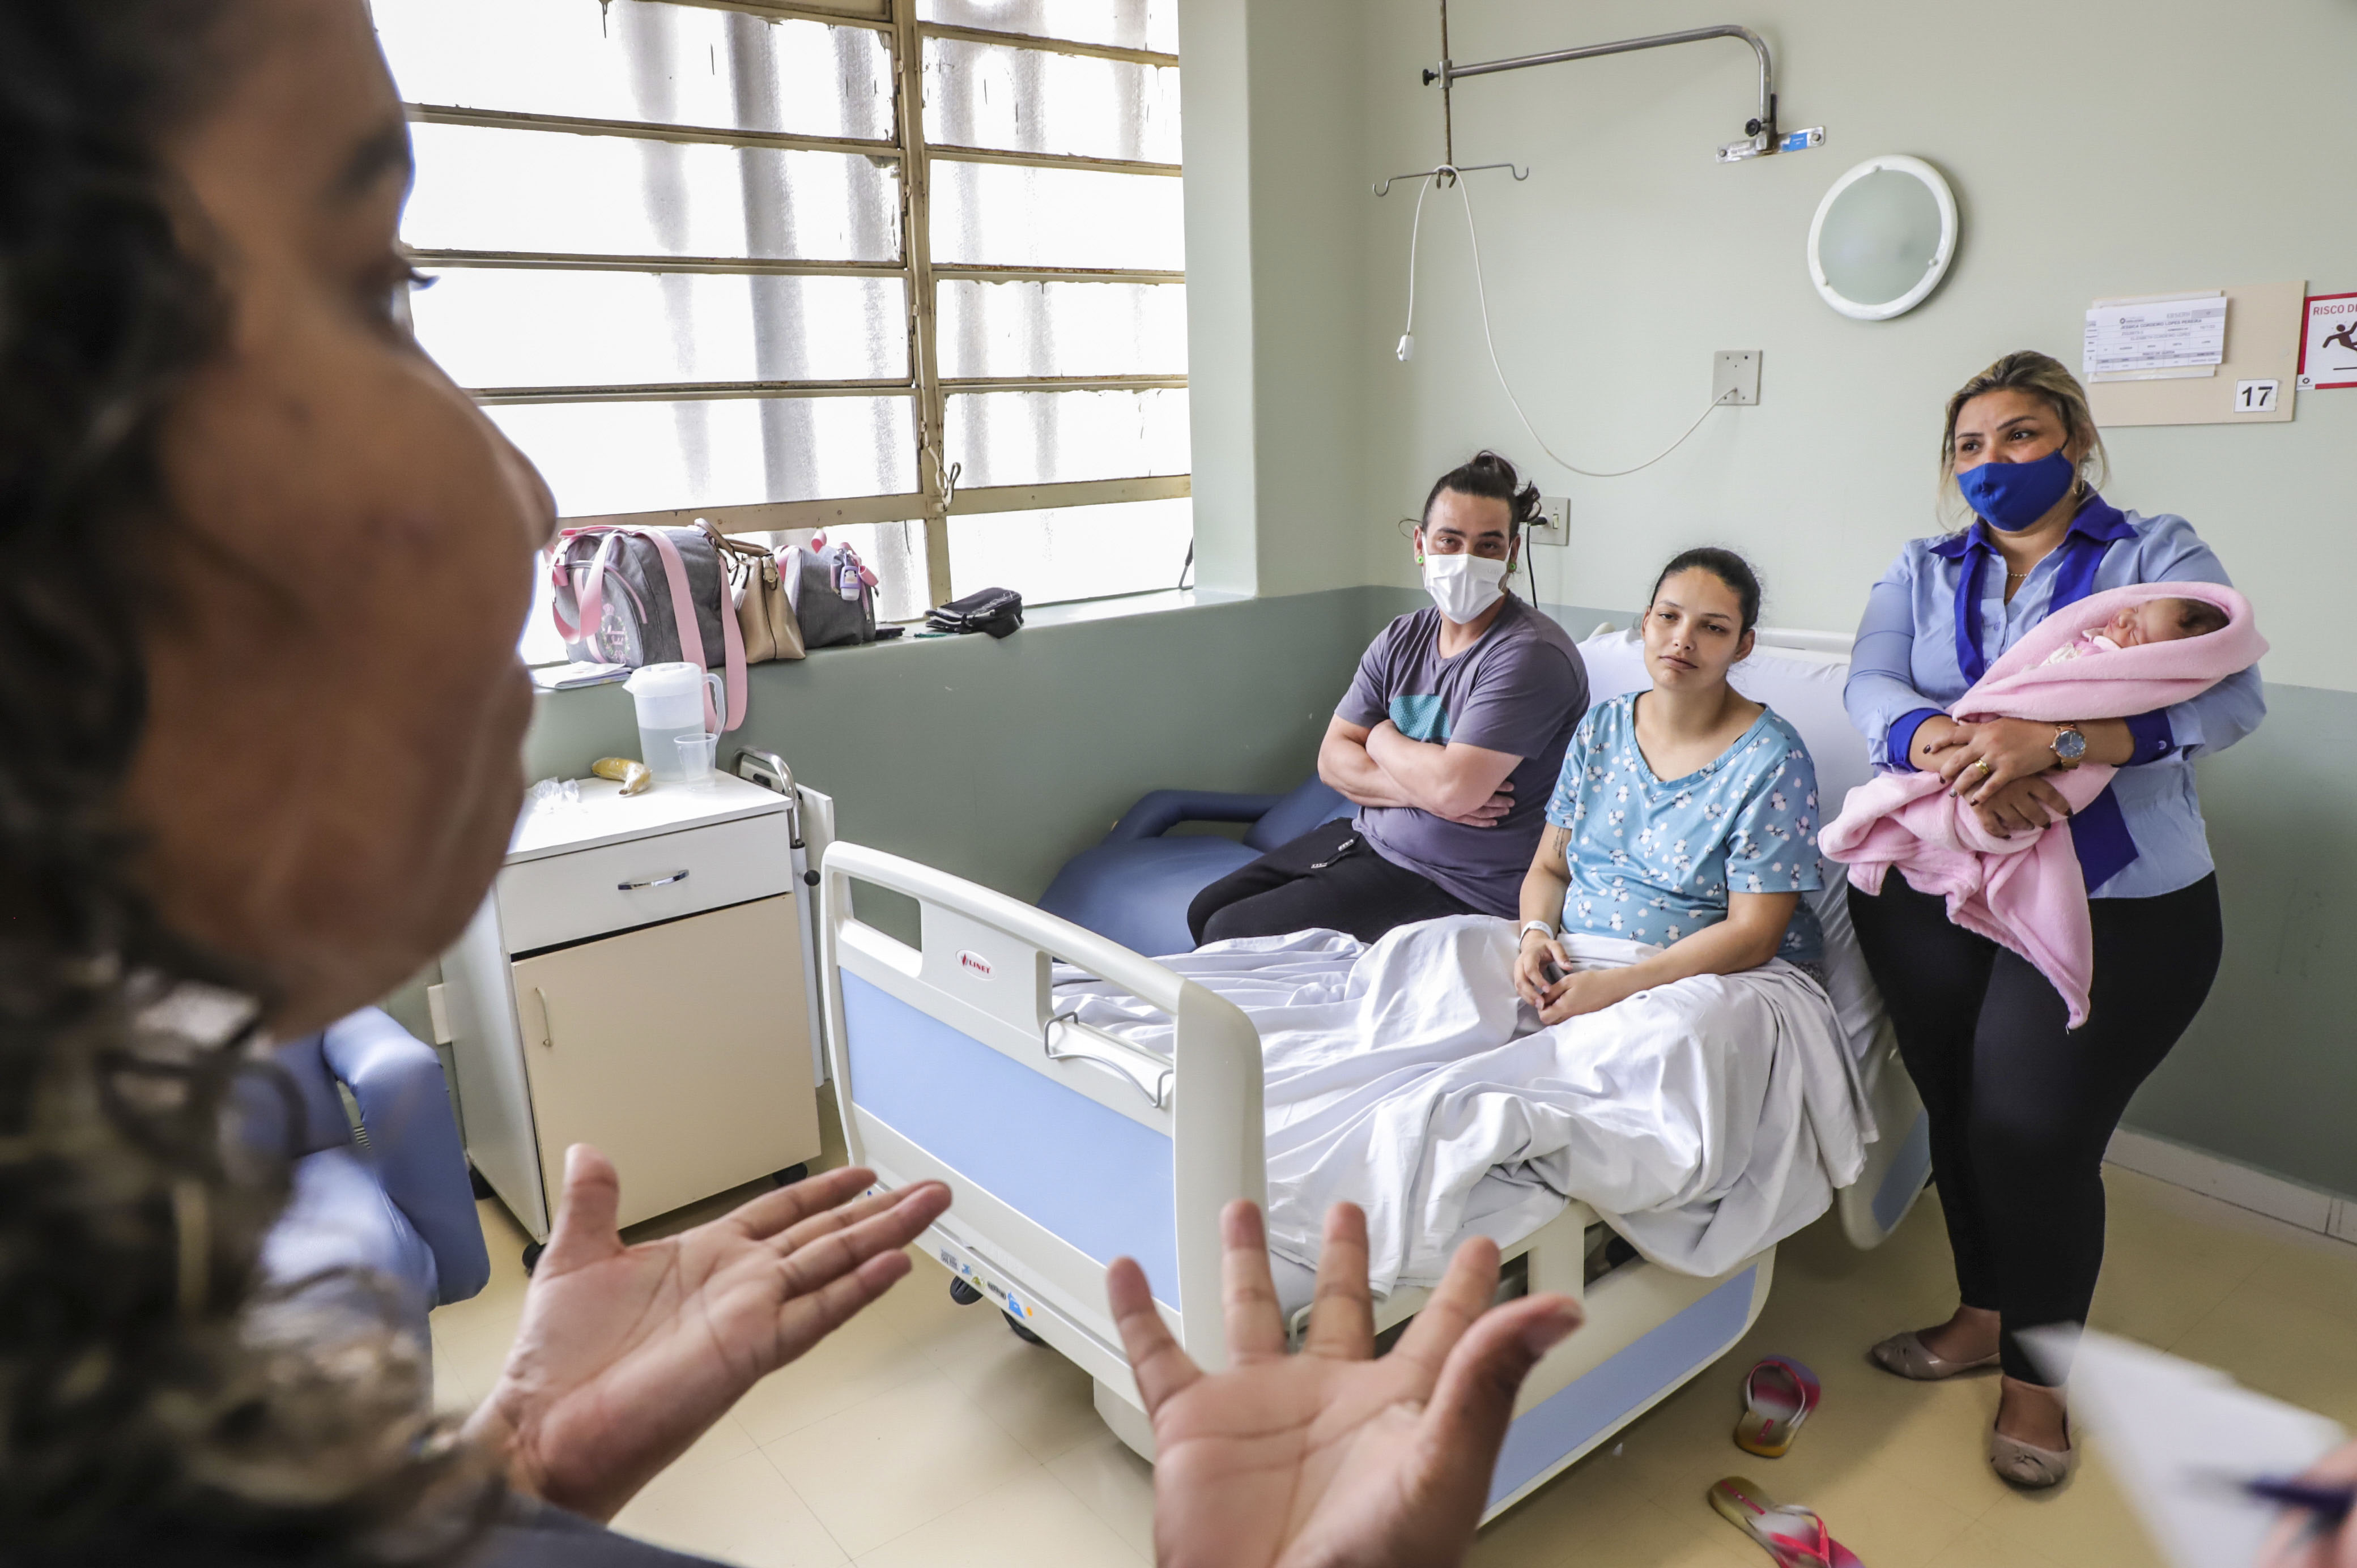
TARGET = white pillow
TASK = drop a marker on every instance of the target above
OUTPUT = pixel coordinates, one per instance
(1808, 693)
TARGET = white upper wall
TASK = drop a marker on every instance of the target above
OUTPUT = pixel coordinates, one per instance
(1270, 92)
(2097, 149)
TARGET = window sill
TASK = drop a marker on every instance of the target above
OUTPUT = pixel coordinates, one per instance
(1072, 612)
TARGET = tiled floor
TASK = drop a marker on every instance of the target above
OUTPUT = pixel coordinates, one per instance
(924, 1432)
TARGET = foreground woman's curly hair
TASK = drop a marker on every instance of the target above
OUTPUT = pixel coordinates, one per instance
(148, 1412)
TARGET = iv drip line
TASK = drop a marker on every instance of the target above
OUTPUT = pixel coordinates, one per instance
(1488, 339)
(1407, 349)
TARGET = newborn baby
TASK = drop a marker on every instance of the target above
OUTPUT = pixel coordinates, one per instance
(2155, 620)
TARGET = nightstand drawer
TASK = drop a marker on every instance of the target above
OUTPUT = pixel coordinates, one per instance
(591, 892)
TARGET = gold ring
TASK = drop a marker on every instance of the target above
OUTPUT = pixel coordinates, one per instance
(1981, 763)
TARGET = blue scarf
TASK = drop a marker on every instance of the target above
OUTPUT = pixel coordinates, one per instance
(2099, 832)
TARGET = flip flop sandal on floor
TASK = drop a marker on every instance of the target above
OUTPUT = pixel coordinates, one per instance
(1795, 1537)
(1778, 1396)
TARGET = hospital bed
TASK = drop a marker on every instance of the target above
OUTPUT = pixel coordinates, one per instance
(1066, 1146)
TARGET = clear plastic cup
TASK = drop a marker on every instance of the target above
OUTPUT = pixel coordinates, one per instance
(671, 700)
(695, 753)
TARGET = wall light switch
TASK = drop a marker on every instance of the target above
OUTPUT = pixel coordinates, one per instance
(1735, 377)
(1554, 525)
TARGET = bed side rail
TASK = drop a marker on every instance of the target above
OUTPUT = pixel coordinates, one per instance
(1064, 1143)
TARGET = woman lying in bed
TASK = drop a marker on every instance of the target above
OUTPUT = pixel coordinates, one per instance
(1686, 817)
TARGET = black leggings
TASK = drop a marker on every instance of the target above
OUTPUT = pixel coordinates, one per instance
(2020, 1108)
(1329, 877)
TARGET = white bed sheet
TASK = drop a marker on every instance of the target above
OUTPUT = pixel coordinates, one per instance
(1704, 1120)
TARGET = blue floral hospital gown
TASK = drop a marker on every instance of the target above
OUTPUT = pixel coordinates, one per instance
(1653, 860)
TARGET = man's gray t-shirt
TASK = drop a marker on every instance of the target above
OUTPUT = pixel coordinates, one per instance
(1521, 688)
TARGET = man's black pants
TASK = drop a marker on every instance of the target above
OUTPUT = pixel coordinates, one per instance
(1329, 877)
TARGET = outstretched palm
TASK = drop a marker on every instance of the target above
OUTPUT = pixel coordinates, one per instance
(626, 1354)
(1330, 1455)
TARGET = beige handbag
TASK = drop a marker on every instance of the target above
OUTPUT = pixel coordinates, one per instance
(764, 614)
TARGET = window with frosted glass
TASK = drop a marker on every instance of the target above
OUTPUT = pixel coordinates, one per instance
(1124, 24)
(520, 327)
(1002, 329)
(1050, 438)
(1074, 553)
(668, 310)
(895, 551)
(605, 457)
(633, 60)
(1004, 215)
(482, 188)
(1037, 101)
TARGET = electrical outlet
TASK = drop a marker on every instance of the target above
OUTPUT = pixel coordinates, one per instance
(1554, 525)
(1735, 377)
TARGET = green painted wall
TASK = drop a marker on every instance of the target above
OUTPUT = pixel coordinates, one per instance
(2267, 1075)
(998, 760)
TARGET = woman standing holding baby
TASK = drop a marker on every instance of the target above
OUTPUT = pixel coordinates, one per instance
(2021, 1106)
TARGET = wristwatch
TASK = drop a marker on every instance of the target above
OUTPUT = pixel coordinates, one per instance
(2069, 745)
(1540, 926)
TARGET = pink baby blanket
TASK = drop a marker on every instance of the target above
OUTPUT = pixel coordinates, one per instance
(2026, 892)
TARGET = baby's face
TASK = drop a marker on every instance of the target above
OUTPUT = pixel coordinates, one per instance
(2155, 620)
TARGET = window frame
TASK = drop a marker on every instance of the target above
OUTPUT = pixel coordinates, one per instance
(938, 498)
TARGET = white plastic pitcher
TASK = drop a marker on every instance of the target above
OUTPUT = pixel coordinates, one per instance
(671, 706)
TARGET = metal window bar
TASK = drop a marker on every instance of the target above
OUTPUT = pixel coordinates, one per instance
(600, 261)
(875, 19)
(938, 498)
(678, 392)
(1047, 45)
(647, 130)
(776, 516)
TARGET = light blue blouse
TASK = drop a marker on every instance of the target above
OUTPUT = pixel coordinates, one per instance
(1908, 665)
(1653, 860)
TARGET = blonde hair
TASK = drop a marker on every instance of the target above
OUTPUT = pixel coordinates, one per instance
(2043, 376)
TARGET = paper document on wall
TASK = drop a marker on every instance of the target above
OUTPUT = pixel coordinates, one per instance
(2181, 1438)
(2176, 334)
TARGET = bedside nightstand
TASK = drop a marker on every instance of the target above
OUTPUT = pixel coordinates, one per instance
(639, 979)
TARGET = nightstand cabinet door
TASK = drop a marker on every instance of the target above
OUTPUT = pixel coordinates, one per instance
(677, 1049)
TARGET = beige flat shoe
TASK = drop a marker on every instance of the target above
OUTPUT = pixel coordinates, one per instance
(1909, 1357)
(2029, 1467)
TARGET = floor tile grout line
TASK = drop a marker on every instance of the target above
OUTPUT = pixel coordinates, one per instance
(2214, 1308)
(962, 1397)
(816, 1517)
(1095, 1512)
(1902, 1484)
(935, 1519)
(805, 1425)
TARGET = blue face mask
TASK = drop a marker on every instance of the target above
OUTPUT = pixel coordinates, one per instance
(2012, 496)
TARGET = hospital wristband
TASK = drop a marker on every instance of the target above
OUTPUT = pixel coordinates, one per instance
(1540, 926)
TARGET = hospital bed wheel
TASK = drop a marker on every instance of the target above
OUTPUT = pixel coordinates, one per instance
(964, 1294)
(483, 1189)
(791, 1175)
(1021, 1333)
(532, 1251)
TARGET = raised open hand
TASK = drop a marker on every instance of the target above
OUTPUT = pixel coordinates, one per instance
(626, 1354)
(1330, 1457)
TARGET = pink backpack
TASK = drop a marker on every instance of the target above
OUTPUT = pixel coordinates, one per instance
(625, 594)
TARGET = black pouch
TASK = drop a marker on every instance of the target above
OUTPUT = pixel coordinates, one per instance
(996, 611)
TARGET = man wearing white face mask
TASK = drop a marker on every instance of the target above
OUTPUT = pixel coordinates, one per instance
(1449, 742)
